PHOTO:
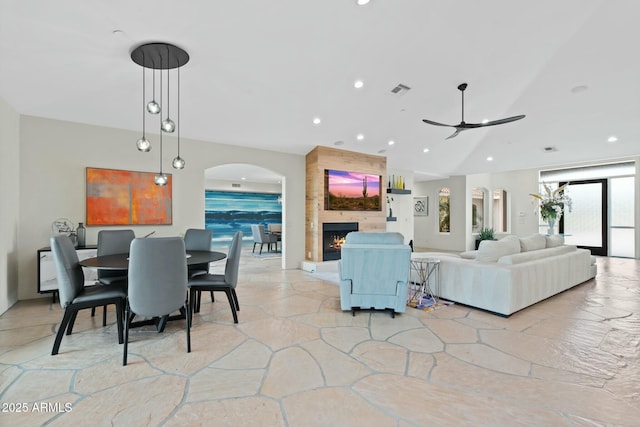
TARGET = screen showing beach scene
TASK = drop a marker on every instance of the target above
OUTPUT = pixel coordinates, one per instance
(351, 191)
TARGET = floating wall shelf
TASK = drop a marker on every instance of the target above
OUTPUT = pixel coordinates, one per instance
(398, 191)
(392, 218)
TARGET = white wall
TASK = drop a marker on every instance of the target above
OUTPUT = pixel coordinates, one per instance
(426, 234)
(402, 205)
(245, 187)
(53, 158)
(9, 207)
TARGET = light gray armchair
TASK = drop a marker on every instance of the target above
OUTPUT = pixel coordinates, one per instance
(374, 272)
(157, 282)
(226, 282)
(262, 238)
(73, 294)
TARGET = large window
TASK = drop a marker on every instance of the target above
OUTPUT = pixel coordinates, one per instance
(444, 223)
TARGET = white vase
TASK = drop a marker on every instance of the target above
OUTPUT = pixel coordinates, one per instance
(552, 224)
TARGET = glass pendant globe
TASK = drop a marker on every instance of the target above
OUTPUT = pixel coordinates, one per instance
(178, 163)
(168, 125)
(143, 144)
(160, 179)
(153, 107)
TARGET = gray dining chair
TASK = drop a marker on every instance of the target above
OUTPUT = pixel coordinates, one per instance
(196, 239)
(226, 282)
(113, 242)
(157, 282)
(74, 296)
(262, 238)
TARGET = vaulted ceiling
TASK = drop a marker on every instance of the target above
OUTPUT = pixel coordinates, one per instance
(261, 71)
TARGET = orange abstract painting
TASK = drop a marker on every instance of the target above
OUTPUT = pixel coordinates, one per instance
(118, 197)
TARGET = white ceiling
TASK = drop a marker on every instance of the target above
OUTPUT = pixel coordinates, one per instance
(261, 70)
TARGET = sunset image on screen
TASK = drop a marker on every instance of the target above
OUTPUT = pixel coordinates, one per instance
(352, 190)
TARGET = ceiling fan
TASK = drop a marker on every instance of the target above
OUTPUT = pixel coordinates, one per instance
(464, 125)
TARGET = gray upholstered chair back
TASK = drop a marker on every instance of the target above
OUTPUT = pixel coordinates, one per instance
(113, 242)
(157, 275)
(233, 260)
(196, 239)
(257, 231)
(69, 271)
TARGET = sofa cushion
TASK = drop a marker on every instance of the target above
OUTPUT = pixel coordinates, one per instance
(532, 243)
(535, 255)
(492, 250)
(554, 241)
(469, 254)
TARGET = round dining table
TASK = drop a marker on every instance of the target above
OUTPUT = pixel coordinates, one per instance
(121, 262)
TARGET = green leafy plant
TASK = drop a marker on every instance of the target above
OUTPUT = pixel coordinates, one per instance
(486, 234)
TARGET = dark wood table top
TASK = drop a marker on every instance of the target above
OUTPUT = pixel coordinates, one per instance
(121, 261)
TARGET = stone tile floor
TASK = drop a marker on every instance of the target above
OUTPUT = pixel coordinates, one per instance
(295, 359)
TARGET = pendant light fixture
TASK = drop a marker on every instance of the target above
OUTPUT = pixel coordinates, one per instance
(160, 56)
(178, 162)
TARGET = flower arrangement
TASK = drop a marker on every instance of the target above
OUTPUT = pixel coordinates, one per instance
(553, 203)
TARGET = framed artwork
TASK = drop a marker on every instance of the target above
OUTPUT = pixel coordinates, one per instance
(421, 206)
(119, 197)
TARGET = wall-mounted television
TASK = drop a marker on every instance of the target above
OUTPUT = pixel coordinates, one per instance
(351, 191)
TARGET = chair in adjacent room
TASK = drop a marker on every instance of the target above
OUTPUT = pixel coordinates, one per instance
(226, 282)
(262, 238)
(74, 296)
(157, 282)
(374, 272)
(113, 242)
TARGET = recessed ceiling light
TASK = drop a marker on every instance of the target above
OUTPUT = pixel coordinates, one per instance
(243, 178)
(358, 84)
(426, 150)
(117, 32)
(338, 143)
(391, 142)
(489, 159)
(359, 137)
(362, 2)
(612, 138)
(316, 120)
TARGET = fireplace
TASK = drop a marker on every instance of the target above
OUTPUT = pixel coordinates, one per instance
(333, 235)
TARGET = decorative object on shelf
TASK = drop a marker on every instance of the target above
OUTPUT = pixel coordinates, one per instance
(421, 206)
(82, 235)
(62, 226)
(389, 200)
(552, 205)
(160, 56)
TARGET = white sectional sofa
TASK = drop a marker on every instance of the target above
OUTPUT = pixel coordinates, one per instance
(507, 275)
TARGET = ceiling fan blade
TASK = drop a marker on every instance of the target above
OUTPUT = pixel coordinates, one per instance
(503, 121)
(436, 123)
(453, 135)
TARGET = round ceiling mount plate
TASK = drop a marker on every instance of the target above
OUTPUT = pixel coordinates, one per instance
(159, 56)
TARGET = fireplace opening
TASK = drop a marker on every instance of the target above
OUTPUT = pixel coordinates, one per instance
(333, 236)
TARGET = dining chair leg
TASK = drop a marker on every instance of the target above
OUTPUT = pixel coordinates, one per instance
(72, 321)
(192, 297)
(231, 304)
(213, 299)
(235, 298)
(119, 317)
(126, 334)
(188, 315)
(68, 314)
(104, 315)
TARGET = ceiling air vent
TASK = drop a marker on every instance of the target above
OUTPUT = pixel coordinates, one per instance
(400, 89)
(235, 185)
